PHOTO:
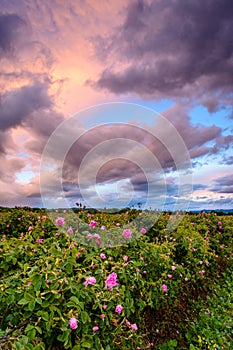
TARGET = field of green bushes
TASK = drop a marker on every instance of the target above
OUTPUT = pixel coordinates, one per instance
(95, 280)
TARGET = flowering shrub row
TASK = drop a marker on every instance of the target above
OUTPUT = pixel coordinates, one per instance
(60, 292)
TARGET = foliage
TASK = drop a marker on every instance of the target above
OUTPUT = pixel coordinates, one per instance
(174, 288)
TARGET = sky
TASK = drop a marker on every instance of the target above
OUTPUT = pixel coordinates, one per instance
(115, 103)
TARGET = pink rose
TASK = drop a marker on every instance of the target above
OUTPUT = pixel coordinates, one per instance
(127, 233)
(73, 323)
(118, 309)
(60, 221)
(93, 223)
(164, 287)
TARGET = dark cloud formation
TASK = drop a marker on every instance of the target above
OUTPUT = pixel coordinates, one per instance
(19, 104)
(10, 27)
(172, 48)
(195, 137)
(27, 65)
(224, 184)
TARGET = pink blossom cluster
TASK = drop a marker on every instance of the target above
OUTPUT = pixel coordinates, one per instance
(118, 309)
(127, 233)
(133, 326)
(89, 280)
(111, 281)
(73, 323)
(93, 223)
(60, 221)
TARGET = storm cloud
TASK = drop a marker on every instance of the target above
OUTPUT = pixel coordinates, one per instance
(171, 48)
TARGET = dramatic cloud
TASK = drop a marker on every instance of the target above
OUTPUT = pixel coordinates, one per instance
(224, 184)
(172, 48)
(11, 26)
(18, 105)
(58, 57)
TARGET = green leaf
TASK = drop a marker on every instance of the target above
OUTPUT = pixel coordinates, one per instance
(84, 316)
(10, 299)
(45, 315)
(40, 346)
(38, 285)
(86, 345)
(39, 301)
(31, 306)
(39, 330)
(74, 299)
(31, 334)
(23, 302)
(191, 347)
(17, 345)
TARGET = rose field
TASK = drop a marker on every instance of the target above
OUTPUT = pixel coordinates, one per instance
(88, 279)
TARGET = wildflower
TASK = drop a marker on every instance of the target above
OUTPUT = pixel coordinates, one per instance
(102, 256)
(221, 246)
(143, 231)
(103, 227)
(127, 323)
(96, 236)
(60, 221)
(89, 280)
(95, 329)
(40, 240)
(93, 223)
(99, 242)
(186, 279)
(73, 323)
(71, 246)
(125, 258)
(111, 281)
(82, 249)
(134, 327)
(30, 228)
(89, 236)
(164, 287)
(89, 215)
(169, 276)
(105, 307)
(70, 230)
(57, 234)
(78, 255)
(117, 224)
(127, 233)
(173, 267)
(102, 316)
(118, 309)
(200, 262)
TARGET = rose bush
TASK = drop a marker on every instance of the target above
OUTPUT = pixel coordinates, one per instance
(58, 292)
